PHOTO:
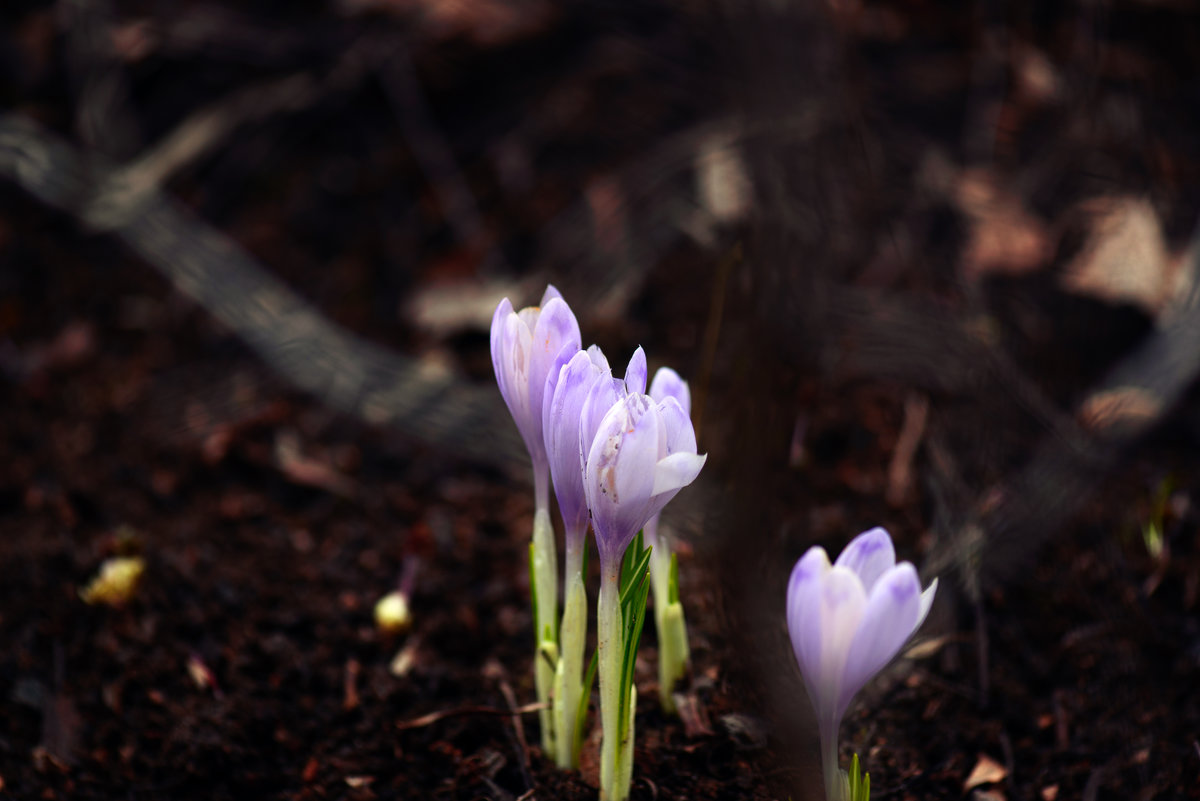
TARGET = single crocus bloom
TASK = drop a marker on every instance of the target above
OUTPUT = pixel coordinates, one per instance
(847, 620)
(528, 349)
(643, 453)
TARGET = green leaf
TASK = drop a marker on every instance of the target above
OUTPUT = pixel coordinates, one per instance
(635, 589)
(589, 678)
(859, 783)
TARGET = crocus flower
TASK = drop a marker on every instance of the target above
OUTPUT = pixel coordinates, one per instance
(637, 455)
(643, 453)
(528, 348)
(847, 620)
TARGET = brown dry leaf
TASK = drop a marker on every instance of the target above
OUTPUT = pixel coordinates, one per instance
(301, 469)
(986, 771)
(1125, 258)
(1004, 237)
(1121, 405)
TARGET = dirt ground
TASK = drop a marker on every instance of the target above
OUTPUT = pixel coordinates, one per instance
(894, 295)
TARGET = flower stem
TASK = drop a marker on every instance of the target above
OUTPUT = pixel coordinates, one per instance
(609, 645)
(545, 582)
(569, 675)
(829, 766)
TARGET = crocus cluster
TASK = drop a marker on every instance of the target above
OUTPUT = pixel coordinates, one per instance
(847, 620)
(617, 456)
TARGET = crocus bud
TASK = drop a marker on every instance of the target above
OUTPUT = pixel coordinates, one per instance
(668, 384)
(528, 349)
(643, 453)
(847, 620)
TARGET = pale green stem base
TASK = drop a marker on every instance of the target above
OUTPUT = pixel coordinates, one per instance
(545, 582)
(568, 684)
(829, 766)
(608, 624)
(673, 653)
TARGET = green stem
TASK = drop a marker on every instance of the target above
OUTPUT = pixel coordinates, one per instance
(545, 581)
(569, 675)
(608, 625)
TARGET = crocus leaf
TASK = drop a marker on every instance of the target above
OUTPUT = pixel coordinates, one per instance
(589, 679)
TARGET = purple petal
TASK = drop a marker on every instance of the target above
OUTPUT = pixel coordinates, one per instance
(605, 393)
(891, 615)
(837, 610)
(560, 420)
(511, 346)
(668, 384)
(680, 436)
(550, 293)
(635, 373)
(869, 555)
(803, 620)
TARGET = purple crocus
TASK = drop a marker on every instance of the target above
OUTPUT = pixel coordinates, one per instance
(642, 454)
(847, 620)
(528, 349)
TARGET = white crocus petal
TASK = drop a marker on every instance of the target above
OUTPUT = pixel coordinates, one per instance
(638, 457)
(869, 556)
(891, 615)
(676, 471)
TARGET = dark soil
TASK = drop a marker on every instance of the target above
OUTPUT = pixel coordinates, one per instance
(248, 664)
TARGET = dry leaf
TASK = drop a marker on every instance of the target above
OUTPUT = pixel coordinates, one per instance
(986, 771)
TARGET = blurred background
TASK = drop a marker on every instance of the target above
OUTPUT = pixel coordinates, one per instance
(926, 265)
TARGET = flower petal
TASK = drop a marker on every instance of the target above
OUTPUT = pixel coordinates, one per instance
(561, 414)
(840, 606)
(891, 615)
(680, 435)
(675, 472)
(870, 555)
(926, 604)
(635, 373)
(803, 618)
(551, 292)
(668, 384)
(619, 473)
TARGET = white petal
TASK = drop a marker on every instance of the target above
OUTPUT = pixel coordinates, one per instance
(676, 471)
(870, 555)
(926, 604)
